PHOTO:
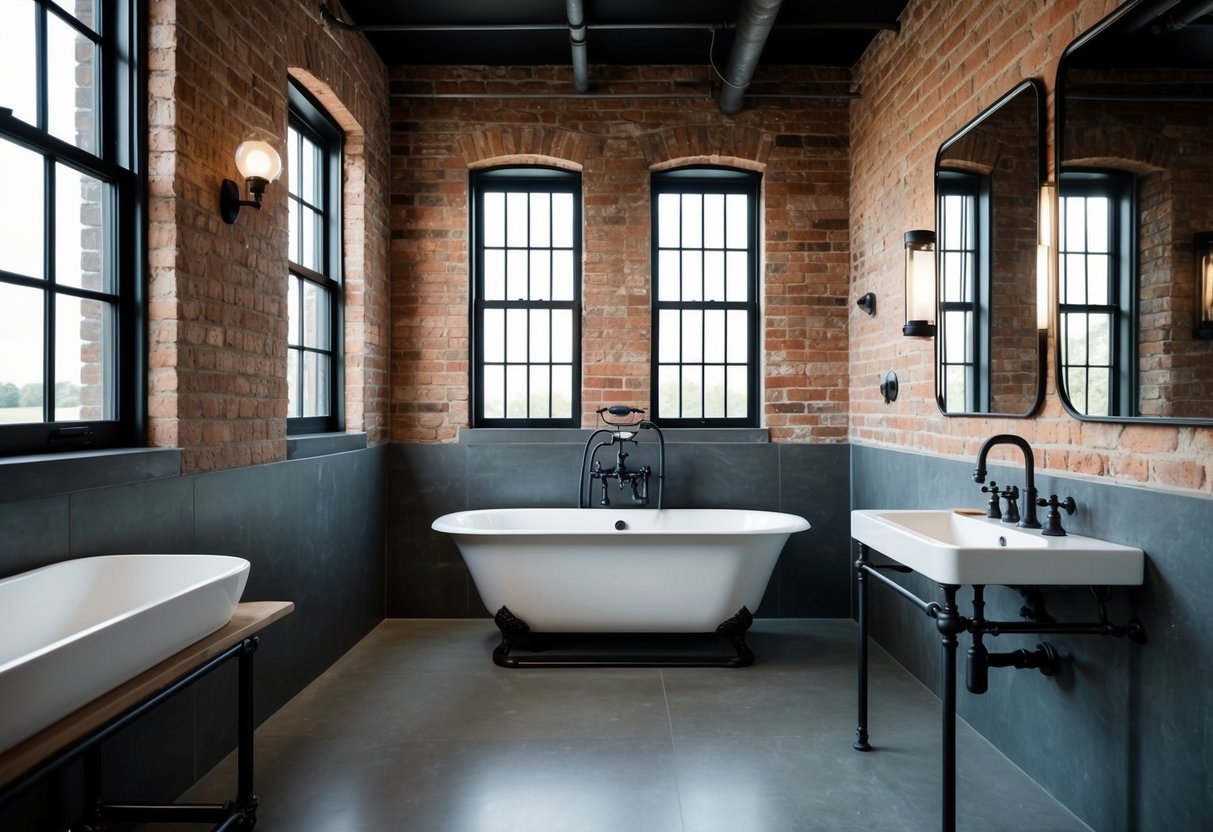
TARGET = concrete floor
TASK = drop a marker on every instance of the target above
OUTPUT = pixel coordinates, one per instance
(416, 729)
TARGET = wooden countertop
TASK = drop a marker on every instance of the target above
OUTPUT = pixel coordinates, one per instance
(248, 619)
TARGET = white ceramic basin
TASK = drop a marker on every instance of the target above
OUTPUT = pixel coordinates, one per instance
(952, 548)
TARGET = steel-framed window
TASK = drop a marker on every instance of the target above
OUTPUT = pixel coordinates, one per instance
(964, 277)
(1097, 292)
(71, 148)
(705, 297)
(315, 372)
(526, 297)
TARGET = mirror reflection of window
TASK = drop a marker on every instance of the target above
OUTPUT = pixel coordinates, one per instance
(1095, 293)
(963, 219)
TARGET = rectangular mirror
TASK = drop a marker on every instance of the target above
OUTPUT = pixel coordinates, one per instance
(1135, 151)
(989, 351)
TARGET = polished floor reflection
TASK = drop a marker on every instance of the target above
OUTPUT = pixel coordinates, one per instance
(415, 729)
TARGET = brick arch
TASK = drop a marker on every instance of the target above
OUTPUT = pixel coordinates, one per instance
(529, 145)
(740, 147)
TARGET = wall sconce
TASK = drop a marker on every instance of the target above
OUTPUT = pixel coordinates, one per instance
(1044, 256)
(260, 165)
(867, 302)
(1203, 243)
(920, 284)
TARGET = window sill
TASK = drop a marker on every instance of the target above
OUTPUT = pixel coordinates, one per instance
(46, 475)
(579, 436)
(323, 444)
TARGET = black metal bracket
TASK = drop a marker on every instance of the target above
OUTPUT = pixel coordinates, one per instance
(237, 814)
(521, 647)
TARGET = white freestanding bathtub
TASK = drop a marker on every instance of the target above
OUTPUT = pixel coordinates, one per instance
(74, 630)
(569, 570)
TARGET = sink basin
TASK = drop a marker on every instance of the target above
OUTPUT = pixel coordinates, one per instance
(953, 548)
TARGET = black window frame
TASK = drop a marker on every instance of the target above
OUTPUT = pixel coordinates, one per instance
(524, 179)
(120, 119)
(977, 188)
(308, 118)
(709, 179)
(1120, 188)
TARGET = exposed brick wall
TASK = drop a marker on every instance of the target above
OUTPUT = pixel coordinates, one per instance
(217, 293)
(799, 144)
(952, 59)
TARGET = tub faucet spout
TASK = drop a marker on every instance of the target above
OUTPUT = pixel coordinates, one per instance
(1029, 520)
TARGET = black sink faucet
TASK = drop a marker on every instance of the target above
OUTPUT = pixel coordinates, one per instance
(1029, 520)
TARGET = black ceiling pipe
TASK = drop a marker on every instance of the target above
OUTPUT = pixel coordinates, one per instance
(581, 68)
(754, 23)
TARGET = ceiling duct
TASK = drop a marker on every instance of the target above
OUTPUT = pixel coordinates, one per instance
(754, 24)
(577, 34)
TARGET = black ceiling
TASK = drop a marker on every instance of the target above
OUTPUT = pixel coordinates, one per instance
(652, 32)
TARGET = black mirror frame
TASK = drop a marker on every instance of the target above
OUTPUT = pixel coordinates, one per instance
(1042, 339)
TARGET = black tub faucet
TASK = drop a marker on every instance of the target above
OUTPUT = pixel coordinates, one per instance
(1029, 520)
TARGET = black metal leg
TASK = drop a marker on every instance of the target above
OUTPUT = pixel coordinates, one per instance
(861, 729)
(246, 798)
(949, 624)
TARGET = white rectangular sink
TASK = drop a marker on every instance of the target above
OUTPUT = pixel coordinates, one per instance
(953, 548)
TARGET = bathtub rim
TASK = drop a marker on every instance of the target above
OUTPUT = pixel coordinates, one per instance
(451, 522)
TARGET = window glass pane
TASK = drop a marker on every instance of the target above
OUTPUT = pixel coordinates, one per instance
(540, 392)
(562, 392)
(1097, 224)
(737, 349)
(540, 333)
(516, 220)
(1076, 387)
(692, 220)
(668, 390)
(515, 336)
(309, 171)
(692, 335)
(293, 156)
(955, 377)
(1098, 279)
(692, 276)
(516, 278)
(21, 225)
(293, 405)
(494, 219)
(1074, 278)
(713, 392)
(294, 246)
(71, 85)
(738, 398)
(563, 285)
(713, 221)
(1099, 385)
(562, 336)
(21, 339)
(1099, 342)
(494, 275)
(692, 392)
(316, 316)
(713, 276)
(669, 275)
(737, 277)
(562, 220)
(713, 336)
(953, 276)
(493, 395)
(669, 336)
(83, 332)
(79, 233)
(737, 223)
(292, 310)
(315, 384)
(309, 251)
(17, 91)
(956, 335)
(541, 220)
(668, 221)
(1074, 229)
(1076, 338)
(493, 336)
(515, 391)
(541, 276)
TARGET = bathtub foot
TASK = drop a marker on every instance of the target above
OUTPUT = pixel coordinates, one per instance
(622, 649)
(734, 631)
